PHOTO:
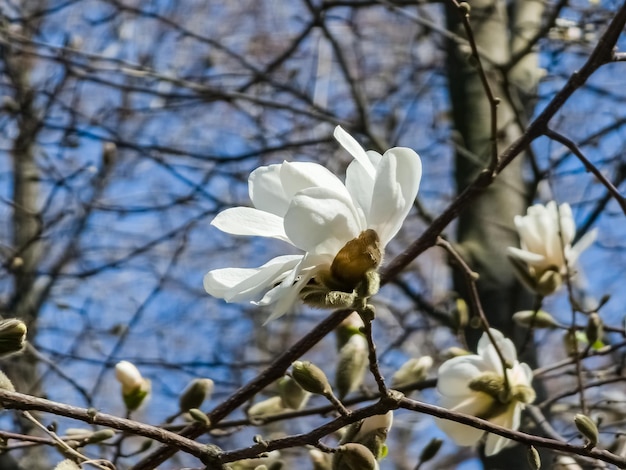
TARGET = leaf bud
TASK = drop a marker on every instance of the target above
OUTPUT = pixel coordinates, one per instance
(535, 319)
(195, 394)
(320, 460)
(291, 393)
(587, 428)
(454, 351)
(533, 458)
(353, 456)
(460, 314)
(352, 365)
(430, 450)
(12, 336)
(310, 377)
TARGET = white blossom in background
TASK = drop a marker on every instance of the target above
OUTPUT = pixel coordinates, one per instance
(475, 385)
(546, 254)
(307, 206)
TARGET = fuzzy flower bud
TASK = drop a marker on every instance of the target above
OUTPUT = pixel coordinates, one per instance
(292, 394)
(430, 450)
(135, 388)
(353, 361)
(311, 378)
(353, 456)
(12, 336)
(350, 326)
(587, 428)
(195, 394)
(5, 382)
(536, 319)
(271, 406)
(411, 371)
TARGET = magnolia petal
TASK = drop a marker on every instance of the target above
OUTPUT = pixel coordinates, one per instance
(298, 176)
(533, 259)
(266, 190)
(354, 148)
(568, 227)
(585, 242)
(245, 284)
(529, 237)
(397, 182)
(462, 434)
(285, 295)
(360, 182)
(510, 420)
(250, 221)
(487, 350)
(455, 374)
(322, 221)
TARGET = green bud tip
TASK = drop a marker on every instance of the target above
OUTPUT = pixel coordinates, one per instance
(12, 336)
(195, 394)
(533, 458)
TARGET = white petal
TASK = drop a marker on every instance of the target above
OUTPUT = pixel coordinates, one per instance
(568, 228)
(455, 374)
(360, 182)
(585, 242)
(397, 182)
(266, 190)
(242, 284)
(283, 297)
(249, 221)
(298, 176)
(529, 237)
(533, 259)
(510, 420)
(321, 221)
(354, 148)
(462, 434)
(488, 352)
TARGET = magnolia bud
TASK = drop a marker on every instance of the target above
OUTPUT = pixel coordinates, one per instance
(291, 393)
(535, 319)
(372, 433)
(67, 465)
(199, 416)
(350, 326)
(311, 378)
(135, 388)
(352, 364)
(587, 428)
(533, 458)
(564, 462)
(321, 460)
(595, 328)
(353, 456)
(271, 406)
(430, 450)
(12, 336)
(195, 394)
(412, 371)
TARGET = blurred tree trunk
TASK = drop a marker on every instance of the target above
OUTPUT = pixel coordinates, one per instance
(486, 228)
(25, 300)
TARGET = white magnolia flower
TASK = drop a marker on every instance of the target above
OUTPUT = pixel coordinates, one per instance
(547, 256)
(475, 385)
(304, 204)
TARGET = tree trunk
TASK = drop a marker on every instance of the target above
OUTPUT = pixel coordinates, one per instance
(486, 228)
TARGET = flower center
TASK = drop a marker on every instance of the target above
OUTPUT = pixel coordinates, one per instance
(355, 259)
